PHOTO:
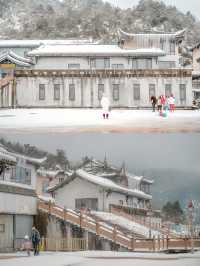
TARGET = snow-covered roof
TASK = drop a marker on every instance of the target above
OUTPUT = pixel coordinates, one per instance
(104, 182)
(6, 156)
(15, 59)
(93, 50)
(14, 156)
(36, 43)
(175, 35)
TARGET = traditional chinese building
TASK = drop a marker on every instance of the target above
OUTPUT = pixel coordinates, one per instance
(196, 71)
(76, 73)
(18, 202)
(97, 185)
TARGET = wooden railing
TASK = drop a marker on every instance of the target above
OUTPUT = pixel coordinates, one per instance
(67, 244)
(111, 233)
(5, 81)
(119, 211)
(86, 222)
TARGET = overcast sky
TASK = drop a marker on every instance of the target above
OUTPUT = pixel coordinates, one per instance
(183, 5)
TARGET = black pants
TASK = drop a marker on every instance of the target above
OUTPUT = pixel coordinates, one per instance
(153, 107)
(159, 107)
(36, 248)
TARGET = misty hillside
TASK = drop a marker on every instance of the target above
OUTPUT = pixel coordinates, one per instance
(173, 184)
(37, 19)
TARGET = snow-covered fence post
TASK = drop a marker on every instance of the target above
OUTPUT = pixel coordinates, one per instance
(97, 227)
(132, 243)
(154, 243)
(163, 242)
(167, 242)
(64, 213)
(81, 219)
(115, 233)
(158, 242)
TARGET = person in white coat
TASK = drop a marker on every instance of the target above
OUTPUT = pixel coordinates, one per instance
(105, 103)
(171, 103)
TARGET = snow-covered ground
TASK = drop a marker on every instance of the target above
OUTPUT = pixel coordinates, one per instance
(91, 119)
(104, 258)
(125, 223)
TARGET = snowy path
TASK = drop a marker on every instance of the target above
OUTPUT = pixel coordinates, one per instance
(68, 120)
(103, 258)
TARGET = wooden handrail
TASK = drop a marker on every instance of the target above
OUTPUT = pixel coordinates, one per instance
(120, 212)
(112, 233)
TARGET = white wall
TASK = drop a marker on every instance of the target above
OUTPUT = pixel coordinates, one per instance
(79, 188)
(86, 90)
(6, 237)
(17, 204)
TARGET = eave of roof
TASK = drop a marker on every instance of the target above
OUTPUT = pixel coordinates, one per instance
(175, 35)
(14, 156)
(14, 58)
(93, 50)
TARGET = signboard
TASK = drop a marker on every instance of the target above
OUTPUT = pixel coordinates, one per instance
(7, 66)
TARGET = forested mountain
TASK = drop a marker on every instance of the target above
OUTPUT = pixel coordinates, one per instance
(97, 19)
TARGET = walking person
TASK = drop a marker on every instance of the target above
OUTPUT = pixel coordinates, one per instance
(105, 103)
(153, 102)
(35, 238)
(163, 100)
(159, 105)
(172, 103)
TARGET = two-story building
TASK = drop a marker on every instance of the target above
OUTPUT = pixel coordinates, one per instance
(97, 186)
(196, 71)
(75, 74)
(18, 202)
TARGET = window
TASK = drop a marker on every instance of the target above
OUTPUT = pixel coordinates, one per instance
(72, 92)
(90, 203)
(41, 92)
(100, 91)
(56, 92)
(172, 47)
(168, 90)
(121, 202)
(166, 64)
(21, 175)
(74, 66)
(134, 64)
(149, 63)
(136, 92)
(118, 66)
(142, 63)
(100, 63)
(116, 92)
(162, 44)
(182, 93)
(152, 90)
(2, 228)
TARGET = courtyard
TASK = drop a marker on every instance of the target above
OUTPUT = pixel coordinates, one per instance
(89, 120)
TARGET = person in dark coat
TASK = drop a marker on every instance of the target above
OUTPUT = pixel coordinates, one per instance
(35, 238)
(153, 102)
